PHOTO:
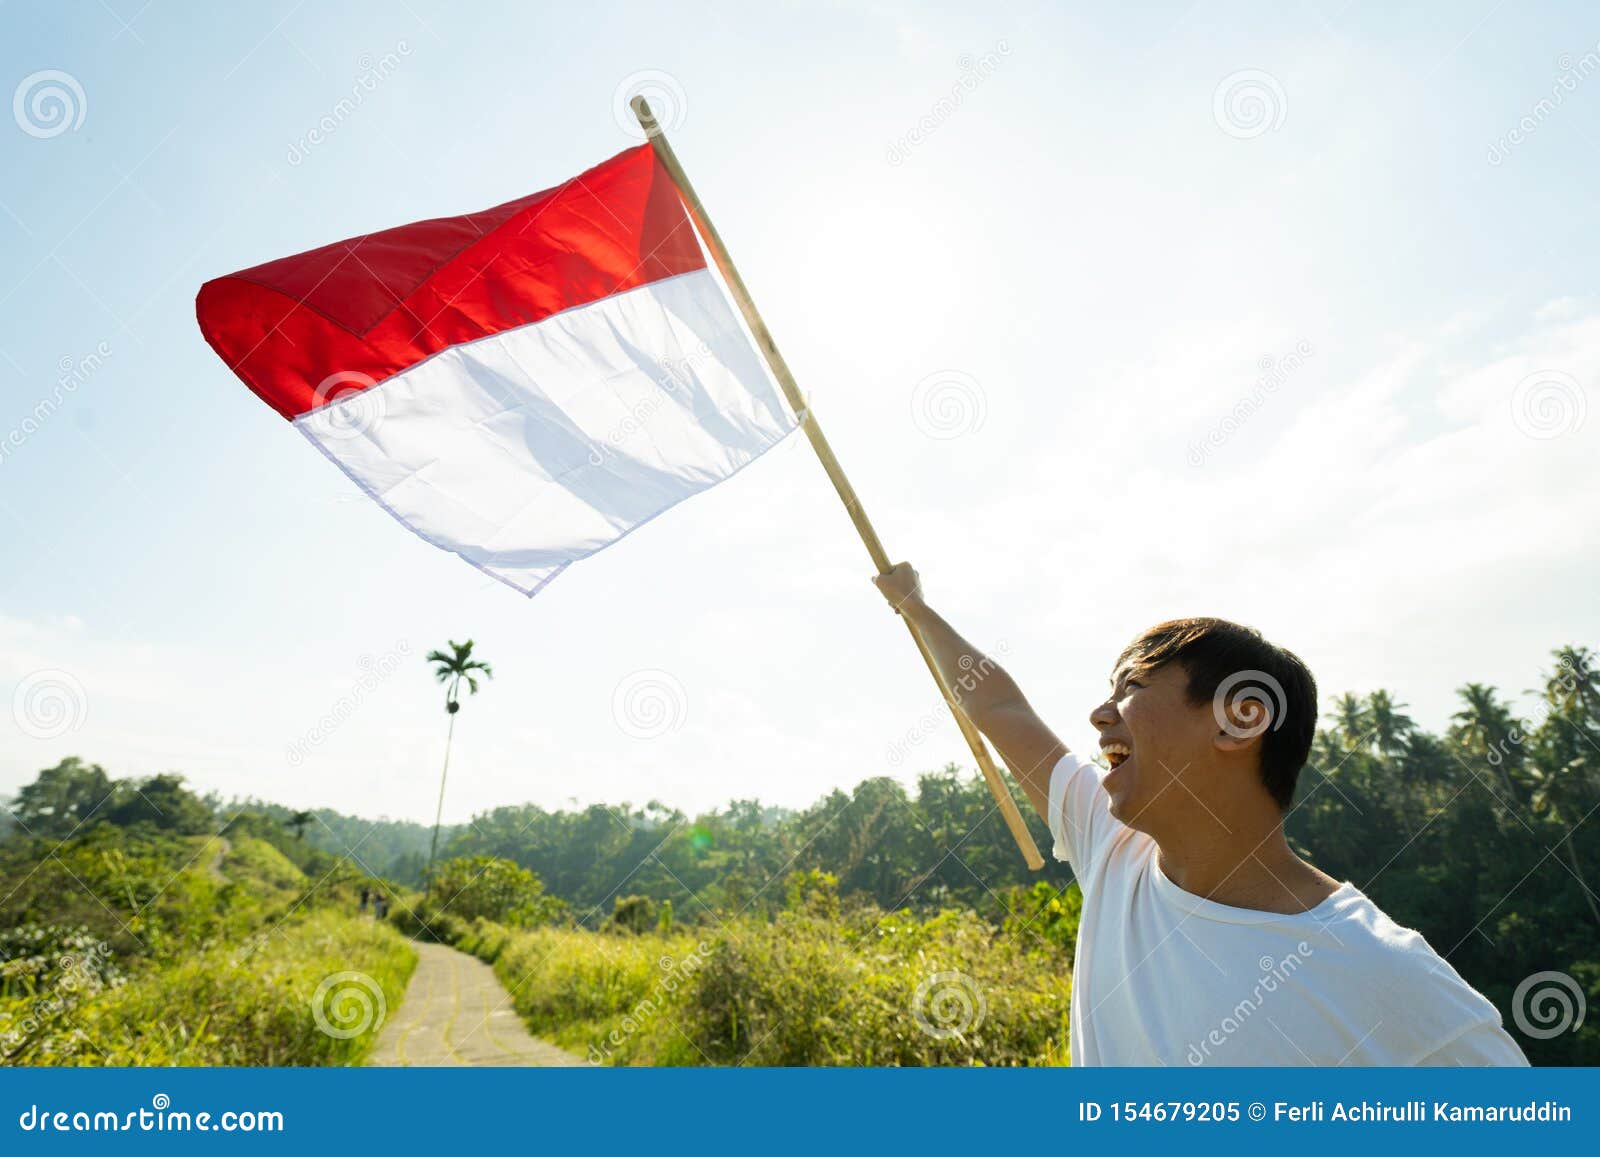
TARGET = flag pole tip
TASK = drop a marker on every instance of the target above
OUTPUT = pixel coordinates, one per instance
(641, 109)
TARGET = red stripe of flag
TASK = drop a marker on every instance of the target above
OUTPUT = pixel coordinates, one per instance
(371, 306)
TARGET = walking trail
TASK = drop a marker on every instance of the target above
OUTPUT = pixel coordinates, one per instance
(457, 1013)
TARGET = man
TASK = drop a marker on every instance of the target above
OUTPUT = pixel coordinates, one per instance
(1205, 940)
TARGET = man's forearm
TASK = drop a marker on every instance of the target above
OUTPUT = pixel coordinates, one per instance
(981, 688)
(980, 685)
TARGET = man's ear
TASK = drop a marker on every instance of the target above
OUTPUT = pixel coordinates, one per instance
(1237, 724)
(1244, 707)
(1234, 741)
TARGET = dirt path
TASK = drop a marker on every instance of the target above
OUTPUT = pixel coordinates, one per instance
(224, 846)
(456, 1012)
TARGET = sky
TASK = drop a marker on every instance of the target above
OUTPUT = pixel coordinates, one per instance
(1284, 312)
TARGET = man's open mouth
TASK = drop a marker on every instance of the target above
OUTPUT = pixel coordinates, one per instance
(1115, 753)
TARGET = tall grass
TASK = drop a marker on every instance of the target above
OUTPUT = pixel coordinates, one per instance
(187, 951)
(813, 987)
(249, 1003)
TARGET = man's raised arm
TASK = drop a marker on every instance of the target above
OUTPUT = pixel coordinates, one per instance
(989, 696)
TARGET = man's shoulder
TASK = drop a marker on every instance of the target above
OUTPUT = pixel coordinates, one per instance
(1353, 922)
(1412, 993)
(1370, 946)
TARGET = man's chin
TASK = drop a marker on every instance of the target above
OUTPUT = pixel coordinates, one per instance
(1123, 805)
(1117, 787)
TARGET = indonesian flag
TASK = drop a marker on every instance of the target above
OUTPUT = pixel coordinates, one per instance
(521, 386)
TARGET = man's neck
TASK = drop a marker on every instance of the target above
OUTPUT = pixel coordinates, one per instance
(1250, 866)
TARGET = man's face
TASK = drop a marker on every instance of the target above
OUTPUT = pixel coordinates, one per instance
(1151, 735)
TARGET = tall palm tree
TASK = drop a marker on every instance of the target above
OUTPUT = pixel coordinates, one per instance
(1391, 726)
(1350, 719)
(1486, 727)
(452, 670)
(299, 822)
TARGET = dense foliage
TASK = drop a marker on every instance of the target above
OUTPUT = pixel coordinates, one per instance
(131, 930)
(1483, 837)
(822, 983)
(143, 944)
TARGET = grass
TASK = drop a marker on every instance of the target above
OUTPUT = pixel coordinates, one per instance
(254, 1002)
(124, 948)
(813, 987)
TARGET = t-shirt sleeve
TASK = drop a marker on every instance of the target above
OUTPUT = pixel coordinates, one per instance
(1481, 1046)
(1080, 815)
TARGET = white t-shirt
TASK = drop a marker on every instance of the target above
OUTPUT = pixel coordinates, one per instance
(1165, 977)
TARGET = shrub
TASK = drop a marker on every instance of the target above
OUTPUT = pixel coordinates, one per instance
(863, 988)
(491, 888)
(250, 1003)
(615, 999)
(877, 990)
(632, 914)
(1042, 916)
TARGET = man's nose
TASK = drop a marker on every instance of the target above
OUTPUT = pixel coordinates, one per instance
(1104, 716)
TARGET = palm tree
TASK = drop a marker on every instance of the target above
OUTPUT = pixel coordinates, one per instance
(1391, 727)
(1350, 720)
(1575, 687)
(299, 822)
(452, 670)
(1485, 726)
(1553, 796)
(1560, 773)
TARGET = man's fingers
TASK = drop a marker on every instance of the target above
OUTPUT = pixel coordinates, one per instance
(897, 584)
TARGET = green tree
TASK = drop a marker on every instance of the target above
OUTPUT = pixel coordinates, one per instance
(1486, 727)
(1561, 774)
(1350, 720)
(63, 799)
(1391, 727)
(635, 914)
(493, 888)
(452, 670)
(160, 801)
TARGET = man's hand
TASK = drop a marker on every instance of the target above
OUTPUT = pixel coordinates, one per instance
(902, 586)
(985, 693)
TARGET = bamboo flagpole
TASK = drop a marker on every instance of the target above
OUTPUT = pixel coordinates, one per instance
(830, 464)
